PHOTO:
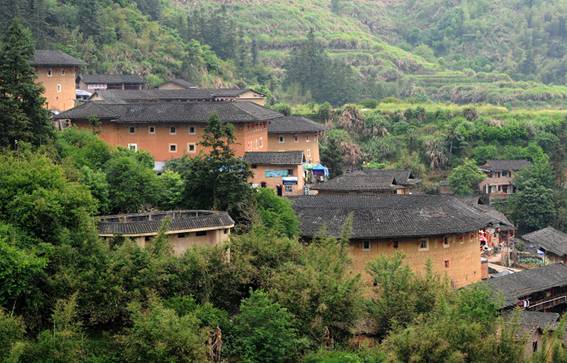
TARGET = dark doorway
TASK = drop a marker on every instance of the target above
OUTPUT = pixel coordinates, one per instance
(279, 190)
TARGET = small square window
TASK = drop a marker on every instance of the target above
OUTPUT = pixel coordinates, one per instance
(172, 130)
(288, 189)
(289, 172)
(133, 147)
(181, 235)
(192, 130)
(306, 138)
(191, 148)
(446, 242)
(423, 245)
(172, 148)
(148, 238)
(131, 130)
(396, 244)
(366, 245)
(446, 263)
(50, 72)
(295, 139)
(62, 71)
(225, 231)
(281, 139)
(201, 233)
(59, 88)
(151, 130)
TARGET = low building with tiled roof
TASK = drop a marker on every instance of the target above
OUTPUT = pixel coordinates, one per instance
(93, 82)
(176, 83)
(538, 289)
(281, 171)
(56, 72)
(550, 241)
(185, 228)
(498, 183)
(531, 327)
(369, 181)
(423, 227)
(296, 133)
(170, 130)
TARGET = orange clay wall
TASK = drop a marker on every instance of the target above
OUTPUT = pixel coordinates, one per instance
(306, 142)
(460, 261)
(58, 99)
(273, 182)
(248, 137)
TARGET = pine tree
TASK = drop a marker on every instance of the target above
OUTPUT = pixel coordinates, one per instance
(22, 115)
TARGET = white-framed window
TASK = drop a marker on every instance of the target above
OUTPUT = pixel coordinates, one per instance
(133, 147)
(307, 138)
(446, 263)
(151, 130)
(288, 188)
(172, 130)
(192, 130)
(281, 139)
(446, 243)
(59, 88)
(132, 130)
(423, 244)
(366, 245)
(295, 139)
(191, 148)
(50, 72)
(172, 148)
(62, 71)
(261, 142)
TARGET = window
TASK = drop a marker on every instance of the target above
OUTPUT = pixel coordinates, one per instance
(148, 238)
(181, 235)
(396, 244)
(446, 242)
(133, 147)
(131, 130)
(446, 263)
(172, 148)
(201, 233)
(288, 188)
(192, 130)
(290, 172)
(307, 138)
(225, 231)
(151, 130)
(423, 245)
(295, 139)
(281, 139)
(366, 245)
(308, 153)
(191, 148)
(62, 71)
(59, 88)
(261, 142)
(50, 72)
(172, 130)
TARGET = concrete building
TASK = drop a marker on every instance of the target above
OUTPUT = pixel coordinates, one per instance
(499, 178)
(438, 228)
(369, 181)
(281, 171)
(186, 228)
(57, 72)
(94, 82)
(293, 133)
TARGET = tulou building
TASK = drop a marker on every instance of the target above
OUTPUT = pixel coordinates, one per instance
(184, 228)
(436, 228)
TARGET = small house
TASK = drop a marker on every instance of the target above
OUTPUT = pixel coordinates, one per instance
(281, 171)
(498, 183)
(549, 242)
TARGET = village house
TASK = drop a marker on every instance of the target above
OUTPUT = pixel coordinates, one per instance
(56, 72)
(549, 242)
(281, 171)
(177, 83)
(170, 130)
(435, 228)
(94, 82)
(533, 327)
(369, 181)
(498, 183)
(293, 133)
(185, 228)
(179, 95)
(539, 289)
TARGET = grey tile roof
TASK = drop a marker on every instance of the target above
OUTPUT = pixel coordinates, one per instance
(532, 320)
(150, 223)
(155, 112)
(367, 180)
(181, 82)
(497, 165)
(524, 283)
(549, 239)
(274, 157)
(112, 78)
(159, 95)
(294, 125)
(387, 216)
(498, 218)
(54, 58)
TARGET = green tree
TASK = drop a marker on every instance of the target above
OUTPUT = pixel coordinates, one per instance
(23, 117)
(158, 334)
(532, 207)
(12, 332)
(464, 178)
(276, 213)
(171, 186)
(264, 331)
